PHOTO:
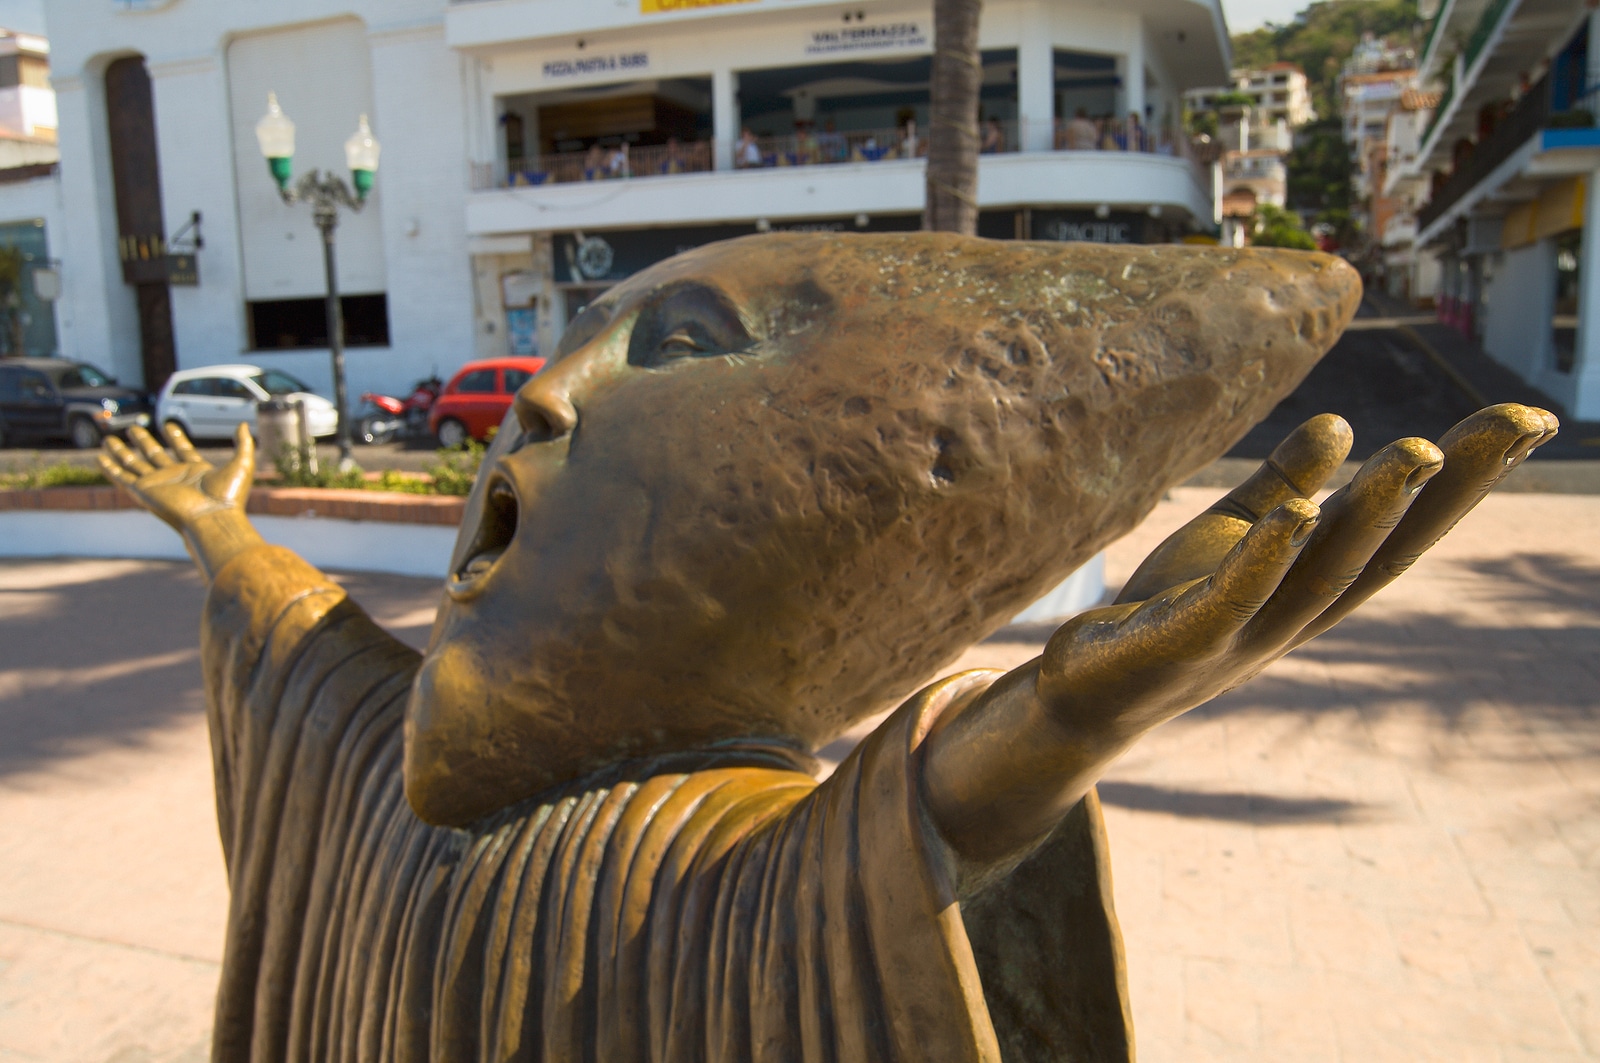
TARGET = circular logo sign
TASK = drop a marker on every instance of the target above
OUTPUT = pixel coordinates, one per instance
(595, 258)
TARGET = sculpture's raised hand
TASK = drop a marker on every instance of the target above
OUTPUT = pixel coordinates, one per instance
(1230, 592)
(204, 503)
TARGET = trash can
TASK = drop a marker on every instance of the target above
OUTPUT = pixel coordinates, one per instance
(281, 436)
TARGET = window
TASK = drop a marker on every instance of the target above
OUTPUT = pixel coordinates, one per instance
(515, 378)
(302, 324)
(10, 385)
(83, 376)
(35, 387)
(228, 388)
(193, 386)
(277, 382)
(477, 382)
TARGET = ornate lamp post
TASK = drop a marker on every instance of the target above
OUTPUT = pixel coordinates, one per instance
(326, 193)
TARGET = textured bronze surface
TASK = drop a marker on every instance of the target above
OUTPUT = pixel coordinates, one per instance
(766, 488)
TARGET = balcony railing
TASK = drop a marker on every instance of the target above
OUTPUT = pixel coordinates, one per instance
(1487, 21)
(799, 149)
(1531, 114)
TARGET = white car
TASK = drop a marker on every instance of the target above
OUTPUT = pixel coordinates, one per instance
(210, 403)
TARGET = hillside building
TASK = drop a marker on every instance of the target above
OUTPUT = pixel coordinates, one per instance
(1278, 93)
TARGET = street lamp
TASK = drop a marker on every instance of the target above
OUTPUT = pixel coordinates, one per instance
(326, 193)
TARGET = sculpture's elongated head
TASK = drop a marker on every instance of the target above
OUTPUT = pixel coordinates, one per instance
(770, 486)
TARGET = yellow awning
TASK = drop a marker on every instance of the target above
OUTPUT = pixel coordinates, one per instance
(1557, 210)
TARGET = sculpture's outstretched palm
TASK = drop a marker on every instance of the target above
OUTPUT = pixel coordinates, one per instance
(1236, 588)
(204, 503)
(179, 486)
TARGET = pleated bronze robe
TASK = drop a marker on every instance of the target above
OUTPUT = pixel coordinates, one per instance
(721, 906)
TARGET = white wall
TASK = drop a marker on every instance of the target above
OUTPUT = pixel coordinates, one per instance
(191, 105)
(322, 75)
(1516, 305)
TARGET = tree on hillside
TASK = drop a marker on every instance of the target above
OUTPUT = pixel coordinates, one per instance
(1321, 38)
(1319, 176)
(951, 204)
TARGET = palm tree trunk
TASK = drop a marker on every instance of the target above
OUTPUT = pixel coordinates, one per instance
(952, 198)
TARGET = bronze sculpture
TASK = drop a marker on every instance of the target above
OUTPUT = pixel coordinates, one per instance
(764, 489)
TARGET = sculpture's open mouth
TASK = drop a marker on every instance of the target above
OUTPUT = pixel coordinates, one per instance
(495, 530)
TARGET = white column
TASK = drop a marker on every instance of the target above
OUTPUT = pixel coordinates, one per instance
(1133, 78)
(724, 115)
(1585, 394)
(552, 308)
(1036, 82)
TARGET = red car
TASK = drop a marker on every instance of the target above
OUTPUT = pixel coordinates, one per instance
(477, 398)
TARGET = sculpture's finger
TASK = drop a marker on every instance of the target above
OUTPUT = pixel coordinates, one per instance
(128, 459)
(1356, 520)
(153, 451)
(1252, 571)
(1297, 468)
(178, 439)
(233, 479)
(1478, 453)
(114, 472)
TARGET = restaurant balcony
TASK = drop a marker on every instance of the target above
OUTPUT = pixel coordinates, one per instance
(824, 173)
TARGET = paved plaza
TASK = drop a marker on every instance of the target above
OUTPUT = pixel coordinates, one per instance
(1385, 848)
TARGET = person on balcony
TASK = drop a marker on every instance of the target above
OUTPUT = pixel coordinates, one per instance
(1134, 135)
(1081, 134)
(807, 151)
(747, 153)
(617, 162)
(910, 144)
(674, 160)
(594, 163)
(994, 141)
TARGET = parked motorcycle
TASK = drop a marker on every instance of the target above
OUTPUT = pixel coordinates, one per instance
(388, 418)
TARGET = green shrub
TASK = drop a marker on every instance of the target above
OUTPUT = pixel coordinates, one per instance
(60, 474)
(456, 470)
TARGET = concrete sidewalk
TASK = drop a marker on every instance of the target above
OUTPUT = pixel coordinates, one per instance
(1385, 848)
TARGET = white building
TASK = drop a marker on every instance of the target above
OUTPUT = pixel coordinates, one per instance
(483, 234)
(1510, 159)
(30, 191)
(1400, 193)
(1278, 93)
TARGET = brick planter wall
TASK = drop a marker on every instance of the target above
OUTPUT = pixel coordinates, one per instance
(264, 501)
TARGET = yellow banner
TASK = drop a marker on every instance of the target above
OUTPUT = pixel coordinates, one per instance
(656, 7)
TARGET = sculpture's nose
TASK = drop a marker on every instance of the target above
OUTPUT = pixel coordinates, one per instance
(544, 404)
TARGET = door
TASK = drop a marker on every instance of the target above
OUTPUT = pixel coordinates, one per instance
(480, 401)
(232, 402)
(38, 408)
(189, 403)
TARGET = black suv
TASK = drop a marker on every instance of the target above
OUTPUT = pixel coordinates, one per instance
(51, 398)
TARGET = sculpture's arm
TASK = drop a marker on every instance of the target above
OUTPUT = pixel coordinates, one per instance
(1236, 588)
(205, 504)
